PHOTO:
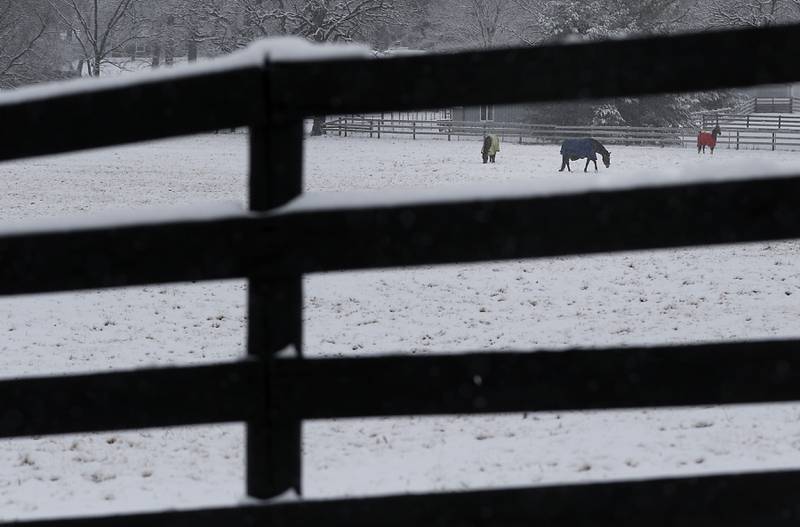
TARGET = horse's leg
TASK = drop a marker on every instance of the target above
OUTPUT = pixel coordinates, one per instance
(563, 163)
(569, 169)
(587, 165)
(595, 165)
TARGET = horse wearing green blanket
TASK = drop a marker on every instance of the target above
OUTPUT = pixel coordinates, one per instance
(491, 145)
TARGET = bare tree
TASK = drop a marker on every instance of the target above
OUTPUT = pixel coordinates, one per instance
(21, 29)
(318, 20)
(174, 26)
(476, 23)
(749, 13)
(590, 19)
(315, 20)
(100, 27)
(192, 18)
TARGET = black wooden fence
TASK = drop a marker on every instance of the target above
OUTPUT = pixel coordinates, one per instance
(274, 248)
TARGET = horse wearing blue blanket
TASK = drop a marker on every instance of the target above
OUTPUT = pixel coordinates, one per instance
(588, 148)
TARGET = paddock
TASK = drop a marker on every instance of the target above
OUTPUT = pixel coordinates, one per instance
(654, 297)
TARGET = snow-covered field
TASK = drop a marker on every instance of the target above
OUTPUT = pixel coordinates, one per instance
(710, 294)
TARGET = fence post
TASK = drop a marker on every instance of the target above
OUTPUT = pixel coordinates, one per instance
(703, 126)
(274, 307)
(345, 126)
(379, 128)
(773, 141)
(413, 129)
(779, 121)
(748, 121)
(370, 128)
(737, 140)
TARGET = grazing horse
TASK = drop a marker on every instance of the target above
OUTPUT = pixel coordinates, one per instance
(573, 149)
(491, 145)
(705, 139)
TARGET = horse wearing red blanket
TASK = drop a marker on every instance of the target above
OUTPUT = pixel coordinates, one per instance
(706, 139)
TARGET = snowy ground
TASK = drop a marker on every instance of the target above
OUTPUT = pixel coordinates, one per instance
(712, 294)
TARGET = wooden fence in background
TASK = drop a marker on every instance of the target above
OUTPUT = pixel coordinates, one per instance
(273, 246)
(763, 105)
(774, 104)
(737, 133)
(733, 120)
(517, 132)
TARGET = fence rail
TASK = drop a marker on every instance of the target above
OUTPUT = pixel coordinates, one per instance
(274, 244)
(759, 105)
(775, 122)
(773, 105)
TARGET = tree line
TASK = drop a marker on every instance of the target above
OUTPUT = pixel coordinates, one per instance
(43, 40)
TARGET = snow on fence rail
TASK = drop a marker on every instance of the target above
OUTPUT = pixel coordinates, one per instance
(274, 245)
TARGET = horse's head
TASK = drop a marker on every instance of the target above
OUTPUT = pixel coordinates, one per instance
(716, 131)
(606, 158)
